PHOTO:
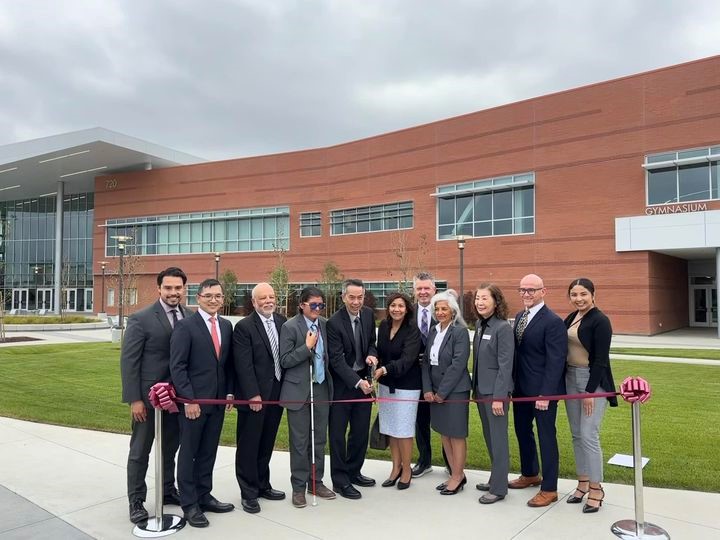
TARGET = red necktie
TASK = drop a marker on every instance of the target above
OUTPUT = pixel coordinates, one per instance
(215, 337)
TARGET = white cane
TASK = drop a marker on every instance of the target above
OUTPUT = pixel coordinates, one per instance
(312, 427)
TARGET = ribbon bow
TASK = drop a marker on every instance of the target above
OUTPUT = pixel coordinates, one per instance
(635, 389)
(162, 396)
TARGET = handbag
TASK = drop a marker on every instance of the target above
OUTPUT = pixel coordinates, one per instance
(378, 441)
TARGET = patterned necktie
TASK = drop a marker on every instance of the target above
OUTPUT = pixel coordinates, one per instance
(358, 366)
(522, 325)
(424, 324)
(274, 347)
(318, 363)
(173, 312)
(215, 336)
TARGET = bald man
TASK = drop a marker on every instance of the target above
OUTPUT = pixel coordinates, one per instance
(540, 356)
(258, 377)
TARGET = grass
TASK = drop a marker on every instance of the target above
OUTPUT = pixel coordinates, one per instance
(47, 319)
(707, 354)
(79, 385)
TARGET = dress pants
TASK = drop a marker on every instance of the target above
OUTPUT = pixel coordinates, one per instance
(422, 435)
(299, 429)
(495, 432)
(256, 432)
(347, 457)
(141, 441)
(199, 440)
(524, 413)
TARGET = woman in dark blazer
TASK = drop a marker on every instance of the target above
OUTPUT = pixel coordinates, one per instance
(446, 385)
(399, 376)
(588, 370)
(493, 350)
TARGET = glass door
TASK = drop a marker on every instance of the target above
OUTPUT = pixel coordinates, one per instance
(71, 299)
(703, 306)
(19, 299)
(45, 299)
(88, 299)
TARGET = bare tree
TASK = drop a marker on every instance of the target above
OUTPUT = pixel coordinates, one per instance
(409, 259)
(280, 279)
(330, 282)
(228, 279)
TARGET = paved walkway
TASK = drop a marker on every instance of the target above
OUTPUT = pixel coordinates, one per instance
(70, 483)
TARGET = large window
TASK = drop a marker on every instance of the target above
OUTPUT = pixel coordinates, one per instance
(489, 207)
(686, 175)
(255, 229)
(310, 224)
(382, 217)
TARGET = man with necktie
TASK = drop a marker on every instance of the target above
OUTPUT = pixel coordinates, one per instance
(144, 361)
(540, 357)
(258, 377)
(201, 367)
(303, 356)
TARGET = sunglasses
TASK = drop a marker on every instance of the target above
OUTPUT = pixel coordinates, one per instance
(315, 305)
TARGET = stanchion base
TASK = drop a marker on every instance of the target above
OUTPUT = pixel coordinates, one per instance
(155, 528)
(627, 530)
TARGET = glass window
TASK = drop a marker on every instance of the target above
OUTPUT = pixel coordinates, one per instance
(694, 182)
(386, 217)
(662, 185)
(310, 224)
(502, 205)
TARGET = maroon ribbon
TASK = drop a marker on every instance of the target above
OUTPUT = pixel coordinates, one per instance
(162, 396)
(635, 389)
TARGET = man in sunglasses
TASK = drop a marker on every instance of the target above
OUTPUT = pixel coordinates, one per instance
(303, 356)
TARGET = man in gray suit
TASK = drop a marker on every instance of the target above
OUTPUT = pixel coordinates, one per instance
(144, 361)
(303, 355)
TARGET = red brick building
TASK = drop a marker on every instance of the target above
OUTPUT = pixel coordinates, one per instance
(577, 183)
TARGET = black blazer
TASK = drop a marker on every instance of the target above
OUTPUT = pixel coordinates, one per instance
(595, 334)
(541, 356)
(341, 349)
(252, 357)
(399, 356)
(196, 371)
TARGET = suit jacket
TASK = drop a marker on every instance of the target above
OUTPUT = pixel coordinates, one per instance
(253, 359)
(196, 371)
(451, 374)
(341, 348)
(493, 358)
(595, 334)
(145, 357)
(541, 355)
(296, 359)
(399, 356)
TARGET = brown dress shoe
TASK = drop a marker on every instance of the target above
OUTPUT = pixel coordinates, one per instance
(322, 491)
(543, 498)
(523, 482)
(298, 499)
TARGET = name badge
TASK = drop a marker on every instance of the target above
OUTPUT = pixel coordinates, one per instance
(487, 336)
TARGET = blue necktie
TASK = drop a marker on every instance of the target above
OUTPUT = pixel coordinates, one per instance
(318, 363)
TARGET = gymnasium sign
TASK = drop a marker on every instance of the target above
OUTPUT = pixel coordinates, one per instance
(675, 209)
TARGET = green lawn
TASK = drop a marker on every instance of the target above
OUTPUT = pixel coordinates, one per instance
(79, 385)
(708, 354)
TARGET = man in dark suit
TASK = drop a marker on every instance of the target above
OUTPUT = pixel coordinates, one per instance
(303, 355)
(540, 356)
(258, 377)
(144, 361)
(201, 368)
(351, 347)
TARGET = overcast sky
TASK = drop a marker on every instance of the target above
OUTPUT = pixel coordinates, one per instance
(232, 78)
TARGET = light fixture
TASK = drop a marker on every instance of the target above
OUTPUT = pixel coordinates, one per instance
(9, 187)
(8, 170)
(85, 171)
(63, 156)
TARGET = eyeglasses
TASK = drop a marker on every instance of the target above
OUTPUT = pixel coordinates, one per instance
(211, 296)
(523, 291)
(315, 305)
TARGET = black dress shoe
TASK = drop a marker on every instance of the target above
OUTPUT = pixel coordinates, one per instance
(272, 494)
(137, 511)
(362, 481)
(195, 517)
(251, 506)
(172, 497)
(213, 505)
(349, 492)
(482, 486)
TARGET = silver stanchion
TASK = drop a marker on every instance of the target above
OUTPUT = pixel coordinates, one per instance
(629, 529)
(160, 524)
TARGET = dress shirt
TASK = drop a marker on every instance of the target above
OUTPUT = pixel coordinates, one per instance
(206, 317)
(435, 349)
(169, 315)
(270, 327)
(419, 316)
(533, 311)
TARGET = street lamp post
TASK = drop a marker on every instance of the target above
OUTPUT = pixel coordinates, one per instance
(461, 248)
(217, 265)
(103, 264)
(121, 243)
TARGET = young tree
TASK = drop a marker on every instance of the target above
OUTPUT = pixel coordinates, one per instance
(280, 279)
(409, 259)
(330, 283)
(228, 279)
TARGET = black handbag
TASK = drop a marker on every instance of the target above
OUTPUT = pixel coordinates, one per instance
(378, 441)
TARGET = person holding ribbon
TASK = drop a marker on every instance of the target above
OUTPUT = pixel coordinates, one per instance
(588, 370)
(446, 385)
(493, 350)
(399, 377)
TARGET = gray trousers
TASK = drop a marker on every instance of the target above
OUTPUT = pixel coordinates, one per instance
(495, 432)
(300, 450)
(585, 429)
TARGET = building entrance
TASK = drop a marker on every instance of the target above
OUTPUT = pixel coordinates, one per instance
(20, 299)
(45, 299)
(703, 305)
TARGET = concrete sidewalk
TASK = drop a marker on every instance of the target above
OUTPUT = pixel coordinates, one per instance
(70, 483)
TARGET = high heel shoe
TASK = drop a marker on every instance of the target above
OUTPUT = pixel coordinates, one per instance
(390, 482)
(404, 485)
(442, 486)
(455, 491)
(574, 499)
(588, 509)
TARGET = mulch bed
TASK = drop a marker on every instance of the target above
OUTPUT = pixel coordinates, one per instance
(18, 339)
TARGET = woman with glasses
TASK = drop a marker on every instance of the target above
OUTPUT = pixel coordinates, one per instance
(588, 370)
(446, 385)
(399, 377)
